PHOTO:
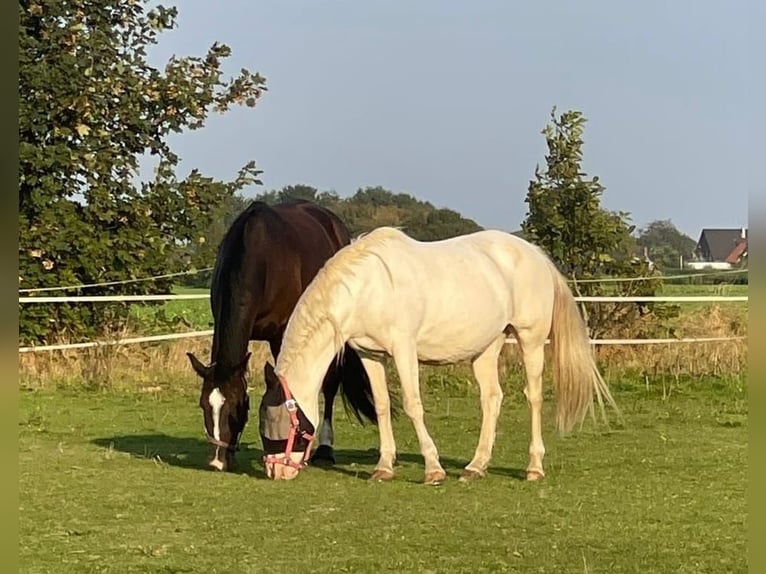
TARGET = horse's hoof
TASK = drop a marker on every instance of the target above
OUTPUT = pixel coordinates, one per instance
(470, 474)
(381, 475)
(535, 475)
(435, 478)
(324, 456)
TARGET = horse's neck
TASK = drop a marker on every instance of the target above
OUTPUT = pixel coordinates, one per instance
(304, 367)
(232, 335)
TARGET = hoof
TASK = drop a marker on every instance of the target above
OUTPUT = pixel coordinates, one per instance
(535, 475)
(382, 476)
(324, 456)
(435, 478)
(470, 474)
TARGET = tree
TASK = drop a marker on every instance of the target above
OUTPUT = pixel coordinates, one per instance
(665, 244)
(373, 207)
(585, 241)
(203, 252)
(89, 107)
(438, 224)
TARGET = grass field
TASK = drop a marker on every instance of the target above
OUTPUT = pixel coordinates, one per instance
(114, 482)
(111, 459)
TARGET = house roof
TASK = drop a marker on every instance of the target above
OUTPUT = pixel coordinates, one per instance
(737, 252)
(721, 242)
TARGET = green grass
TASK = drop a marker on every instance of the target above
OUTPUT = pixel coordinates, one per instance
(114, 482)
(187, 314)
(724, 290)
(735, 309)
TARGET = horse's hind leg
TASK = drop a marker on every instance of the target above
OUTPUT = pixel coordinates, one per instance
(485, 371)
(532, 348)
(325, 453)
(407, 366)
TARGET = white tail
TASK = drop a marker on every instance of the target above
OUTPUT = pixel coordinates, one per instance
(575, 374)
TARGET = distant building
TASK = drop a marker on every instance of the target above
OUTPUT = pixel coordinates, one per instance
(641, 254)
(720, 249)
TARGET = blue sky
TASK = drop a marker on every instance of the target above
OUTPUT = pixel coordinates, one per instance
(445, 100)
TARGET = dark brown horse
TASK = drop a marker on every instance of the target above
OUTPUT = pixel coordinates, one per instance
(267, 258)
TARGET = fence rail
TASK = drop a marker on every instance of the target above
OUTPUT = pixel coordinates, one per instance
(193, 334)
(80, 286)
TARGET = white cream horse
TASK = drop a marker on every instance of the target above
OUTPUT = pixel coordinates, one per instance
(437, 303)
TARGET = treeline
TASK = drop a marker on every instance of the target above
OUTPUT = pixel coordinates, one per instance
(373, 207)
(368, 208)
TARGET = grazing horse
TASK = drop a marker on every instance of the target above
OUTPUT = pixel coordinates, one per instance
(435, 303)
(265, 261)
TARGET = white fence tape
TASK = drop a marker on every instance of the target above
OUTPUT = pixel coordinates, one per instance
(127, 341)
(190, 296)
(112, 298)
(110, 283)
(192, 334)
(204, 269)
(666, 299)
(650, 341)
(659, 277)
(172, 336)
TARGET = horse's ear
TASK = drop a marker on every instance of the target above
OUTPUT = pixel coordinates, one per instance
(270, 376)
(198, 367)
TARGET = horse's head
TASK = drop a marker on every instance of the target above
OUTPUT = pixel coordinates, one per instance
(286, 433)
(225, 405)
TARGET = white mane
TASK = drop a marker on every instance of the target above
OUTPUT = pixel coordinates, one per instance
(340, 271)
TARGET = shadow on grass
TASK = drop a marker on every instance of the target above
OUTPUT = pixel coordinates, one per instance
(193, 453)
(182, 452)
(365, 461)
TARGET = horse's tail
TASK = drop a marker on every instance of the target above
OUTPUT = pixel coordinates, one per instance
(355, 386)
(575, 374)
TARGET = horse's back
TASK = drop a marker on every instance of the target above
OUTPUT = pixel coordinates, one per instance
(489, 256)
(454, 296)
(485, 270)
(267, 258)
(297, 225)
(292, 233)
(315, 220)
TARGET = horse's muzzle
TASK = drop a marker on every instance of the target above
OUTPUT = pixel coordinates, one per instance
(221, 459)
(277, 467)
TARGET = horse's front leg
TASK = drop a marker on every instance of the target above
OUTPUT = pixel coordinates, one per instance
(325, 453)
(376, 370)
(406, 360)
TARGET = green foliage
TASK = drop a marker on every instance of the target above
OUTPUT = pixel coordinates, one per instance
(372, 207)
(301, 191)
(367, 209)
(202, 253)
(89, 107)
(665, 244)
(565, 217)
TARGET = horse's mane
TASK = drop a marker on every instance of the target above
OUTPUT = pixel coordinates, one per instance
(229, 343)
(312, 309)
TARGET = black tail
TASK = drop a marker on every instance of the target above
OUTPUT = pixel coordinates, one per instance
(355, 387)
